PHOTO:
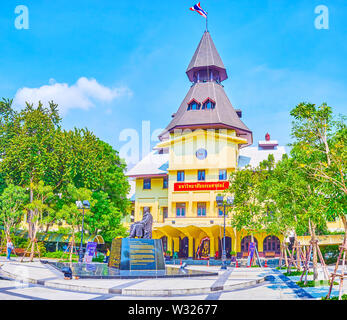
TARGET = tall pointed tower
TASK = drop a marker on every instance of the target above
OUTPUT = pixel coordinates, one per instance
(206, 104)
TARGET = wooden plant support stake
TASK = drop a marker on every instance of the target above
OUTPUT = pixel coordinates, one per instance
(342, 275)
(299, 256)
(283, 256)
(27, 251)
(308, 260)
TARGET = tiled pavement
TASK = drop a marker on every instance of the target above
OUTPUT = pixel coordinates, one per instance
(278, 287)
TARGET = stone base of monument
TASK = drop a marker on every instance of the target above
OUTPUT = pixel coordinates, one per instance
(137, 254)
(131, 258)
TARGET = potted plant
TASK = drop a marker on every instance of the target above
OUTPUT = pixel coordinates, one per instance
(167, 255)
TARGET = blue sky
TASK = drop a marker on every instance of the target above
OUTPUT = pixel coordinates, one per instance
(138, 51)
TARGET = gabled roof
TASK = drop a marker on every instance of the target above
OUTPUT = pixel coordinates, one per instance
(206, 55)
(222, 116)
(154, 164)
(252, 156)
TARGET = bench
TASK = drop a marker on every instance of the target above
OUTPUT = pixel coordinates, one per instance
(269, 254)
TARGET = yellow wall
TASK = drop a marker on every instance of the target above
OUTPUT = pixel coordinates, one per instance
(154, 198)
(222, 153)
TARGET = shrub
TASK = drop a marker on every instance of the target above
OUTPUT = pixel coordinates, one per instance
(330, 253)
(58, 255)
(99, 258)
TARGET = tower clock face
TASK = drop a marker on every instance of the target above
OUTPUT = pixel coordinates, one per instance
(201, 154)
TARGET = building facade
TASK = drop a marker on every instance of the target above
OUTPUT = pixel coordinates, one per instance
(204, 142)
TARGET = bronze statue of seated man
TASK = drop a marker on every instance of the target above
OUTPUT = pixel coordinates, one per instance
(142, 229)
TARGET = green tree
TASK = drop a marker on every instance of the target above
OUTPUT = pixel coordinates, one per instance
(35, 148)
(320, 149)
(12, 202)
(106, 218)
(71, 214)
(28, 149)
(247, 211)
(39, 210)
(276, 192)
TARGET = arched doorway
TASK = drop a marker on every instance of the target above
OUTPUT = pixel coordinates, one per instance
(203, 251)
(164, 242)
(228, 247)
(272, 243)
(183, 252)
(245, 243)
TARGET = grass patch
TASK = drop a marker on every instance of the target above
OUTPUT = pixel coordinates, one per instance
(343, 297)
(314, 283)
(284, 267)
(295, 273)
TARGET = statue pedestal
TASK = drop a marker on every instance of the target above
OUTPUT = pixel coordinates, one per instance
(137, 254)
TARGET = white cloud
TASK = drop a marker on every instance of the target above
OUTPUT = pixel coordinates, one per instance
(81, 95)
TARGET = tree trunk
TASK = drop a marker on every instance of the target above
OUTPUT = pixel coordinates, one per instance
(32, 250)
(344, 220)
(33, 240)
(314, 248)
(30, 212)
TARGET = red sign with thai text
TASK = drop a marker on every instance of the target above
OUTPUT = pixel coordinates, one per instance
(194, 186)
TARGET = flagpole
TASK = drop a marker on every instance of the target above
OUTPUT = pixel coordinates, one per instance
(206, 22)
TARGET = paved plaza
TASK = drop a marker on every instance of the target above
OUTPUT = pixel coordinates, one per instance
(37, 281)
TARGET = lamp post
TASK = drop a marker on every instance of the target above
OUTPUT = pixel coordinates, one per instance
(82, 205)
(220, 203)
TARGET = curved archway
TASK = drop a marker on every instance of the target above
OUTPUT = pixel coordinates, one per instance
(272, 243)
(245, 243)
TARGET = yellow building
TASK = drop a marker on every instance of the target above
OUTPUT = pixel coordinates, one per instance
(204, 142)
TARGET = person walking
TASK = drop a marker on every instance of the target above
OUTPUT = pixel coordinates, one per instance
(10, 247)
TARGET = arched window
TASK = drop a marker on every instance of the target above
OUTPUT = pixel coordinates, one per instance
(272, 243)
(193, 105)
(208, 104)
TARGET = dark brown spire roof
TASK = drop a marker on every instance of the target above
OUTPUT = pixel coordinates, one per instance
(222, 116)
(206, 55)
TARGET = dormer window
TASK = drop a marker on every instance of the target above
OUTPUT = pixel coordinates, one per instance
(193, 105)
(208, 104)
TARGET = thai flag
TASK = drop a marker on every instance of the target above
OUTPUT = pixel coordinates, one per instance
(199, 10)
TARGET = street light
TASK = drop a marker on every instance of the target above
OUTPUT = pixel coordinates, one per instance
(82, 205)
(221, 203)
